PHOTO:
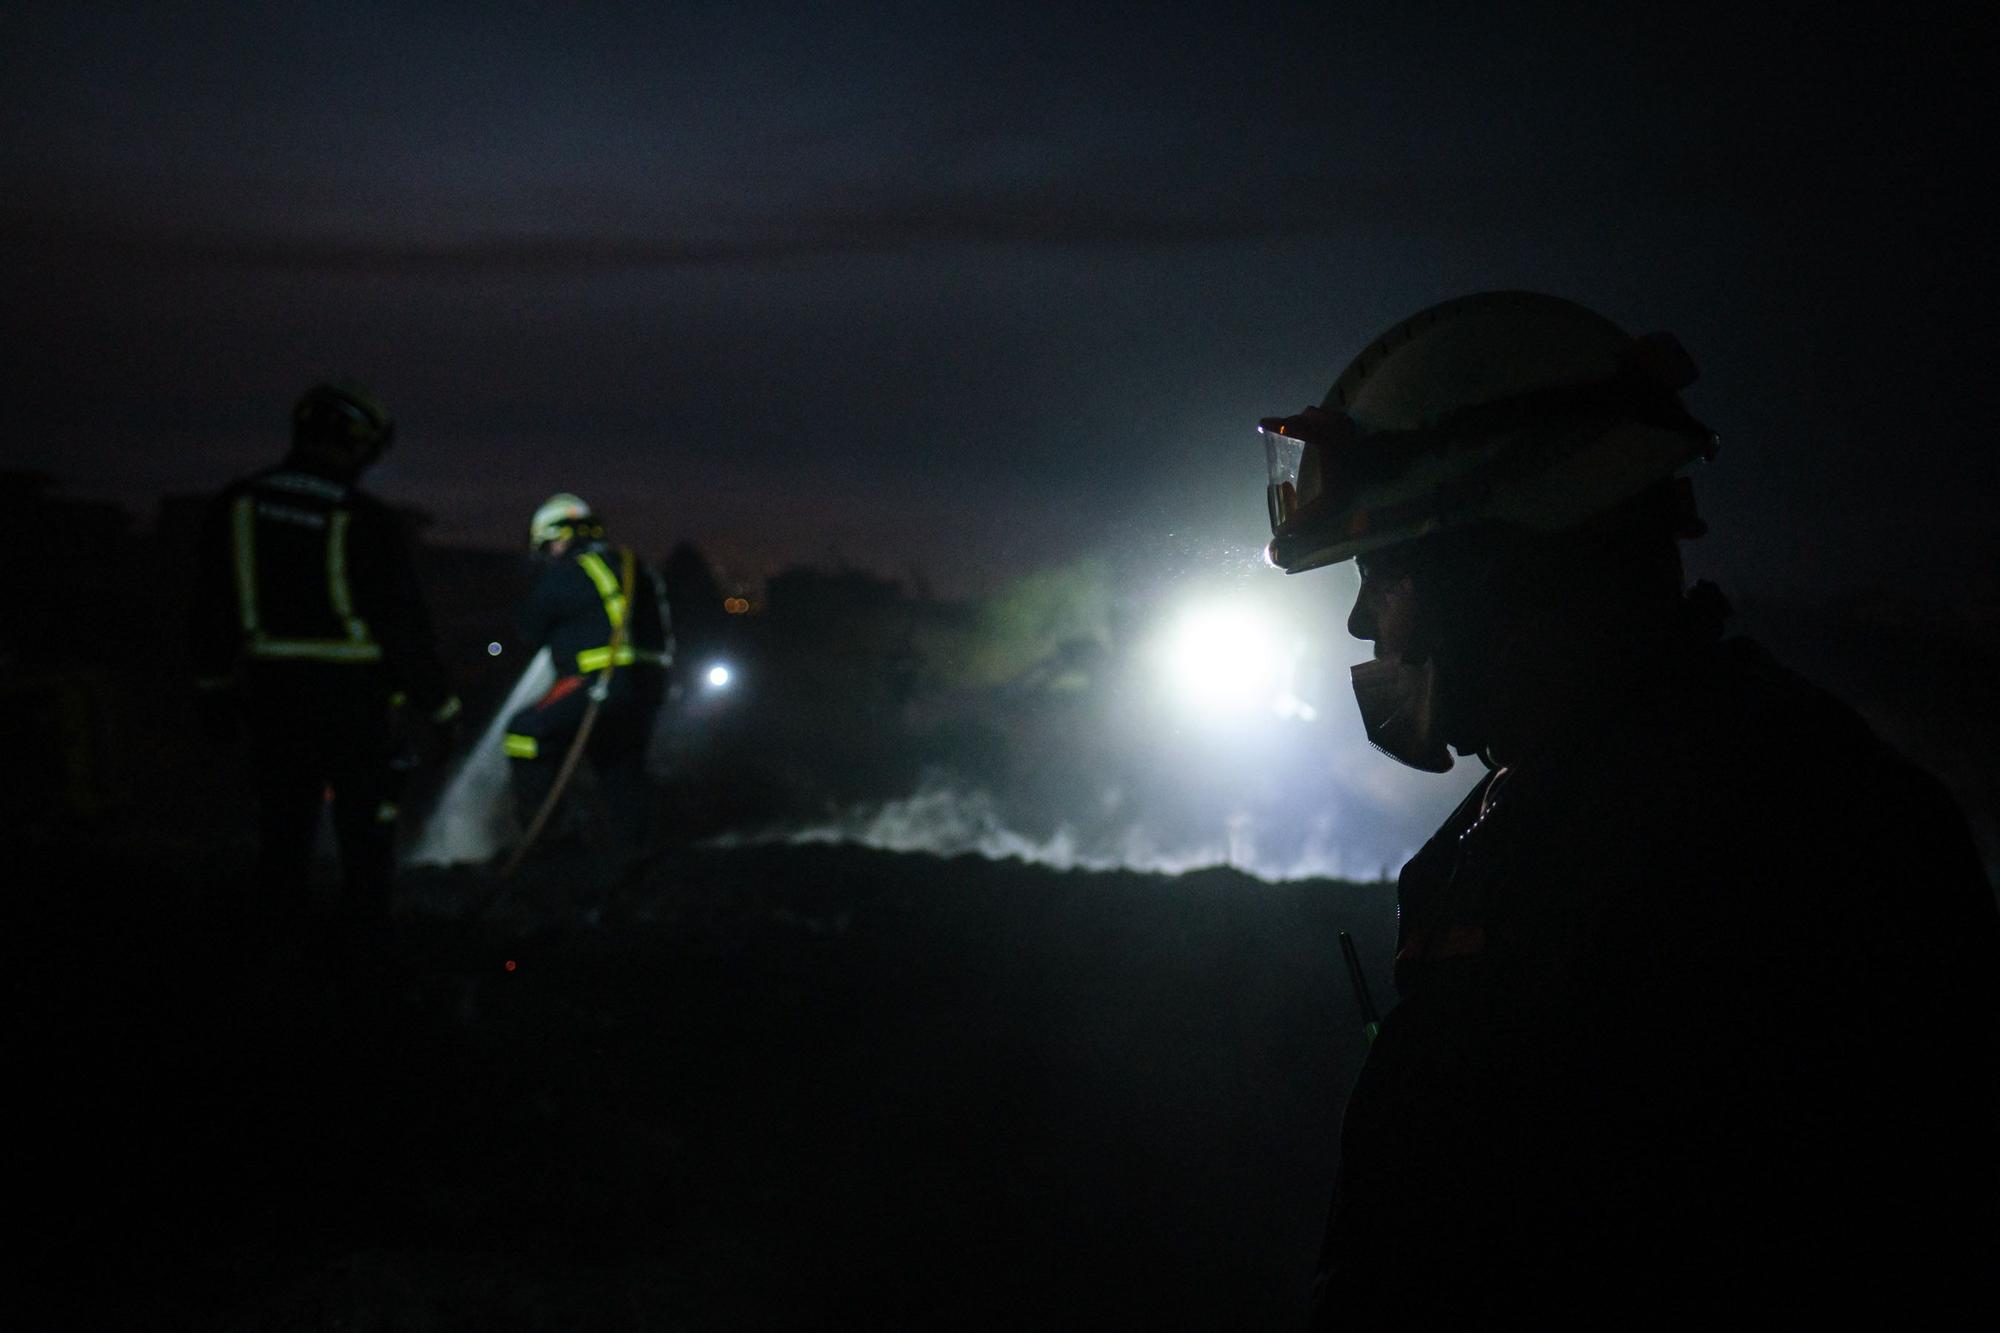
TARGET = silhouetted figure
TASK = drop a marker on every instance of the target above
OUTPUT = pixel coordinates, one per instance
(1698, 987)
(697, 599)
(599, 612)
(310, 627)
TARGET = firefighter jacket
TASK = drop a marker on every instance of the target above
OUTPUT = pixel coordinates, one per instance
(578, 604)
(301, 572)
(1696, 1028)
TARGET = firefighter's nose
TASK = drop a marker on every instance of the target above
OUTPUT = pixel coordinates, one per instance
(1361, 620)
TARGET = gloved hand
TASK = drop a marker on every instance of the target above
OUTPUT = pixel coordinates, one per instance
(216, 713)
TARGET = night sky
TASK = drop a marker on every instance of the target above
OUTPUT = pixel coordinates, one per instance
(968, 291)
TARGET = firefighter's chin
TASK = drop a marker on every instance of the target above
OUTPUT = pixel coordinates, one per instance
(1400, 710)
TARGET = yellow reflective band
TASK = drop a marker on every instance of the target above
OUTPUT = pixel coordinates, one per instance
(386, 812)
(244, 524)
(337, 590)
(596, 659)
(607, 587)
(336, 572)
(356, 647)
(324, 650)
(520, 747)
(448, 710)
(211, 683)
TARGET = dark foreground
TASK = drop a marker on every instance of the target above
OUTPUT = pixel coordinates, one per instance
(775, 1088)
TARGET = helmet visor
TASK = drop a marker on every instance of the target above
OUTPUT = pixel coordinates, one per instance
(1282, 456)
(1297, 450)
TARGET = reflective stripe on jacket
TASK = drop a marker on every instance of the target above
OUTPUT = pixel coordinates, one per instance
(356, 645)
(300, 568)
(579, 604)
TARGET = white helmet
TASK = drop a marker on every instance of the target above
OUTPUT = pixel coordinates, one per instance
(562, 515)
(1512, 407)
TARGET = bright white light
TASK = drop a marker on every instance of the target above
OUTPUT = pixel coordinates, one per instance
(1291, 706)
(1225, 658)
(493, 650)
(718, 676)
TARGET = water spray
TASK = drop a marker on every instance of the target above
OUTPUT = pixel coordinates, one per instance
(466, 825)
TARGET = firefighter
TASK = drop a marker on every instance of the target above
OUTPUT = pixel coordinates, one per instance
(1697, 988)
(601, 614)
(310, 628)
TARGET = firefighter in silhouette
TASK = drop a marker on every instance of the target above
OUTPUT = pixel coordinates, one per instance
(601, 614)
(1697, 987)
(310, 628)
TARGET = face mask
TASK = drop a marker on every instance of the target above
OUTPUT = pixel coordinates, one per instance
(1399, 711)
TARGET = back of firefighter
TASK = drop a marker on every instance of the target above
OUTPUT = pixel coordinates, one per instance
(603, 617)
(310, 628)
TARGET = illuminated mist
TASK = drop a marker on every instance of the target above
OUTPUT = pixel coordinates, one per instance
(944, 821)
(1204, 726)
(1219, 733)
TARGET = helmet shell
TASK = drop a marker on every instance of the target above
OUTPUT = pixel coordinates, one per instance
(1516, 407)
(344, 414)
(559, 516)
(1475, 349)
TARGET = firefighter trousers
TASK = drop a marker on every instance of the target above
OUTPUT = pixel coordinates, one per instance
(321, 736)
(539, 738)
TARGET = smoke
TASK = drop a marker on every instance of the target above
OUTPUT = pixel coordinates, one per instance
(943, 819)
(471, 821)
(1047, 731)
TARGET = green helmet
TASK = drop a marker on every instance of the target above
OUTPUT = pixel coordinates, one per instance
(1510, 407)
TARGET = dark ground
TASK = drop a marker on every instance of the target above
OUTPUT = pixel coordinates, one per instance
(776, 1088)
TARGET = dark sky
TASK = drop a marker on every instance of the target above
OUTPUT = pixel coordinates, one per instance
(970, 290)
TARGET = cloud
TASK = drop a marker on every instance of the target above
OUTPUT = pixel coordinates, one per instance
(1143, 201)
(1139, 211)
